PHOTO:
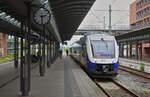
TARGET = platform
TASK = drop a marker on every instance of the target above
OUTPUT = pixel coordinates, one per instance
(63, 79)
(135, 64)
(7, 72)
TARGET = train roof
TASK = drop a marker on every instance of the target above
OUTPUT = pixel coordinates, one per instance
(82, 39)
(96, 33)
(75, 45)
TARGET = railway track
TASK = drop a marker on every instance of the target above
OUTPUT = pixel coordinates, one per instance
(135, 72)
(113, 88)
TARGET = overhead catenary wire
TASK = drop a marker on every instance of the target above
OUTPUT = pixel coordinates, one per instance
(107, 10)
(99, 20)
(103, 18)
(113, 2)
(112, 10)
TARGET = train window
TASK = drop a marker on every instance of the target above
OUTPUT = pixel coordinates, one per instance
(103, 49)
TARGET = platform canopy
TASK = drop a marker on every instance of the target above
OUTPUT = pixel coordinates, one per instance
(135, 36)
(69, 14)
(12, 12)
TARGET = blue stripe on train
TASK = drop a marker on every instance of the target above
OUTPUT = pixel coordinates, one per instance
(91, 66)
(116, 66)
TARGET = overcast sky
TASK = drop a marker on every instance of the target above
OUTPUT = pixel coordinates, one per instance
(95, 17)
(119, 18)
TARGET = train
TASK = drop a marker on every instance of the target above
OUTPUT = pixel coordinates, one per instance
(98, 54)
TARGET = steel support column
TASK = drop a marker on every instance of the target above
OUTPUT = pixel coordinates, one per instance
(122, 50)
(40, 57)
(136, 50)
(16, 45)
(29, 45)
(57, 49)
(25, 65)
(127, 50)
(130, 50)
(23, 90)
(26, 61)
(43, 60)
(140, 51)
(48, 54)
(119, 44)
(53, 51)
(43, 54)
(149, 51)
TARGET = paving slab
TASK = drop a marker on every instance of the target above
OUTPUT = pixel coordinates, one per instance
(135, 64)
(63, 79)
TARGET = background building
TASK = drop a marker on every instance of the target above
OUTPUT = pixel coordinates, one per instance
(3, 45)
(140, 19)
(140, 14)
(10, 44)
(6, 45)
(133, 15)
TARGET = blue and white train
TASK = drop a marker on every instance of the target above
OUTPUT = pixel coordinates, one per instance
(99, 54)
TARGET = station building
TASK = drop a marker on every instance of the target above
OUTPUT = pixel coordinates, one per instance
(140, 20)
(3, 45)
(6, 44)
(10, 44)
(140, 14)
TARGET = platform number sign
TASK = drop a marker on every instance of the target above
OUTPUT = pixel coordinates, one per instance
(42, 16)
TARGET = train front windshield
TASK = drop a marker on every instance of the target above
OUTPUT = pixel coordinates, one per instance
(103, 48)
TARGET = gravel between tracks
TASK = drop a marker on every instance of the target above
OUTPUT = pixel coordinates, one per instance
(135, 83)
(114, 90)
